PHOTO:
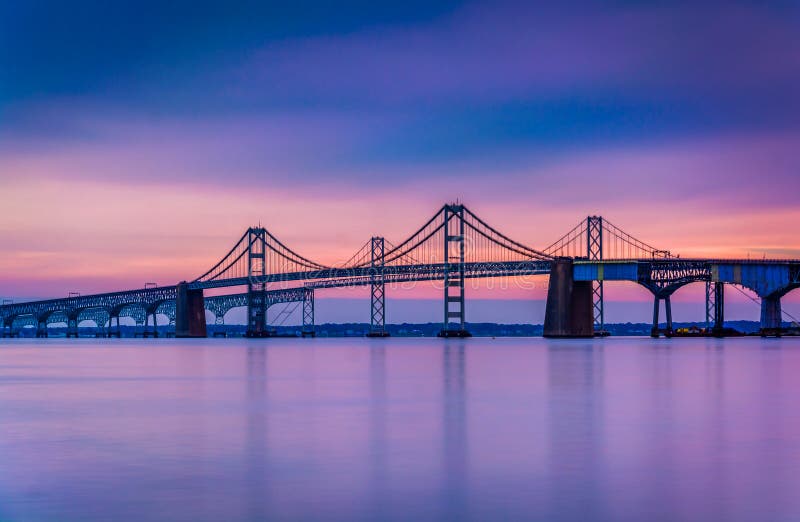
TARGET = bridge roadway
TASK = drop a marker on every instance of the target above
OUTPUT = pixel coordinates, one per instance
(343, 277)
(769, 279)
(100, 308)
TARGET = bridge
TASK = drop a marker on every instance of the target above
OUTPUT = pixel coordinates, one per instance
(452, 246)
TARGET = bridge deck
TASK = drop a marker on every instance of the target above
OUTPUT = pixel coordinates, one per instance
(764, 276)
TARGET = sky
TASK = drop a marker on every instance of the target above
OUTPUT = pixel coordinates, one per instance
(139, 139)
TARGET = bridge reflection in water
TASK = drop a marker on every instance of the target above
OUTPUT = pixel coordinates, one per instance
(452, 246)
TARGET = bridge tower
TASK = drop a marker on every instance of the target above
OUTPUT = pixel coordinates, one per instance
(256, 283)
(377, 317)
(715, 306)
(308, 313)
(454, 273)
(594, 251)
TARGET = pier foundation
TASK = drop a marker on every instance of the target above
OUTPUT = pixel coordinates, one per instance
(190, 312)
(569, 311)
(770, 316)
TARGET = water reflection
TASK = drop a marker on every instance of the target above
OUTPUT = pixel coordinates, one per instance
(256, 479)
(612, 430)
(576, 431)
(455, 450)
(378, 433)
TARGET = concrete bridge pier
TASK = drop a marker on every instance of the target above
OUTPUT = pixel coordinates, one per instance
(219, 311)
(219, 321)
(149, 312)
(190, 312)
(8, 328)
(771, 315)
(72, 325)
(569, 310)
(101, 331)
(41, 328)
(656, 331)
(111, 331)
(5, 328)
(147, 332)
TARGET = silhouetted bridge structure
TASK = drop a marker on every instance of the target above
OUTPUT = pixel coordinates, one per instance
(452, 246)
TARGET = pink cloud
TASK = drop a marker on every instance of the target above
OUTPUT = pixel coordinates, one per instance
(67, 217)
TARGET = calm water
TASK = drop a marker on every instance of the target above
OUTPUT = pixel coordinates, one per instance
(482, 429)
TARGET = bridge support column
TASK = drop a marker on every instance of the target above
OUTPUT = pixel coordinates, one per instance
(454, 273)
(308, 313)
(101, 329)
(147, 331)
(111, 331)
(219, 321)
(170, 313)
(656, 331)
(668, 309)
(151, 311)
(155, 322)
(569, 310)
(377, 316)
(41, 328)
(771, 317)
(715, 307)
(8, 328)
(72, 325)
(100, 319)
(219, 309)
(190, 312)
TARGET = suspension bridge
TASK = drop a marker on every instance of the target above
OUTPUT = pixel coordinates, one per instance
(452, 246)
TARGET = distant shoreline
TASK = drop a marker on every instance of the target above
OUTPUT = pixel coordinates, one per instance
(404, 329)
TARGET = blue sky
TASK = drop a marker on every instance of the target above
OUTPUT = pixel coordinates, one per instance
(140, 138)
